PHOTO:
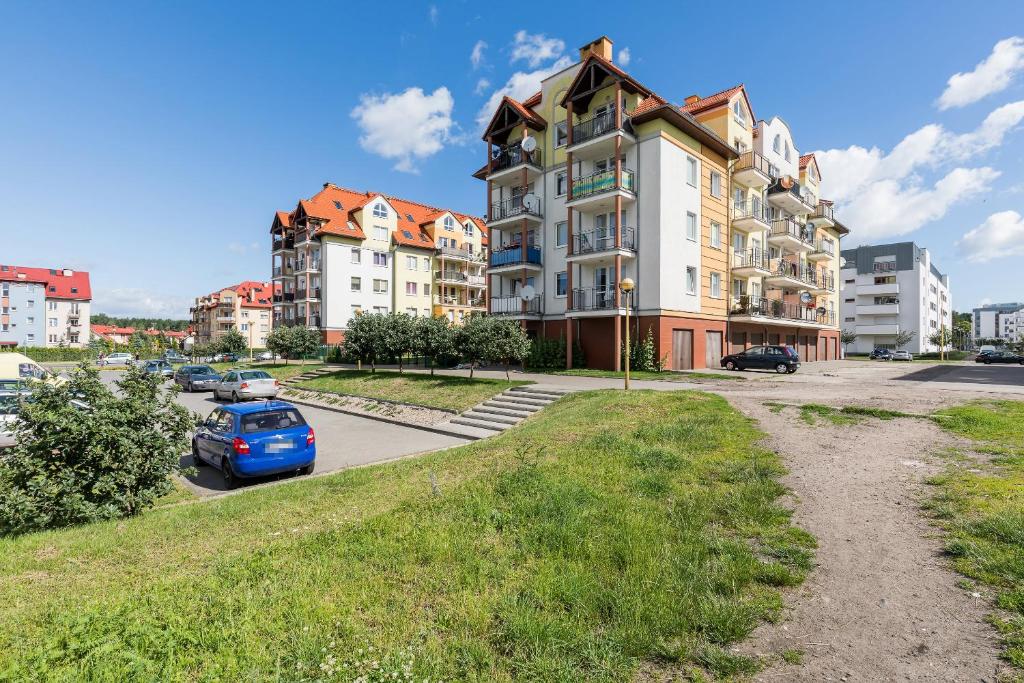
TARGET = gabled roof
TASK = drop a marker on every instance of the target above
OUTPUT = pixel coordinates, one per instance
(719, 99)
(518, 112)
(413, 236)
(657, 107)
(59, 283)
(596, 61)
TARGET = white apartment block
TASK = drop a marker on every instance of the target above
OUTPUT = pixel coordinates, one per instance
(891, 288)
(44, 307)
(999, 321)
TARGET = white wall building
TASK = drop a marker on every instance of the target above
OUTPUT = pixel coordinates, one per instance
(999, 321)
(891, 288)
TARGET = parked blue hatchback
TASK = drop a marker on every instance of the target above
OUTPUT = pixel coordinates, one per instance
(246, 440)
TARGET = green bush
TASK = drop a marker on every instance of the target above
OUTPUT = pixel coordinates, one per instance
(85, 453)
(549, 354)
(43, 354)
(950, 355)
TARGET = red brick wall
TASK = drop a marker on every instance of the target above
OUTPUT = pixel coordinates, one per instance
(812, 345)
(663, 325)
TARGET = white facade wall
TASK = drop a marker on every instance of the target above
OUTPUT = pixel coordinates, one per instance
(764, 145)
(57, 329)
(338, 301)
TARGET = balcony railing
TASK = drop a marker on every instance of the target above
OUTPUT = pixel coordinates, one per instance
(513, 305)
(755, 257)
(593, 127)
(602, 239)
(510, 208)
(313, 265)
(781, 310)
(603, 181)
(794, 189)
(823, 210)
(460, 253)
(753, 209)
(509, 157)
(300, 294)
(451, 276)
(314, 321)
(825, 247)
(884, 267)
(792, 270)
(753, 160)
(788, 226)
(515, 255)
(595, 298)
(286, 243)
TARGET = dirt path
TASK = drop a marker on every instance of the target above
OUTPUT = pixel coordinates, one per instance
(882, 603)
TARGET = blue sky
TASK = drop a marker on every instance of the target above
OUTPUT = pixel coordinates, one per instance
(151, 143)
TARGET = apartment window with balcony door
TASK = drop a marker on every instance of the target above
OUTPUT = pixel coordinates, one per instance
(380, 286)
(561, 133)
(691, 280)
(561, 283)
(560, 184)
(561, 233)
(739, 242)
(716, 285)
(738, 197)
(691, 226)
(380, 259)
(755, 289)
(380, 233)
(691, 171)
(410, 288)
(357, 255)
(411, 262)
(716, 235)
(739, 287)
(716, 184)
(357, 284)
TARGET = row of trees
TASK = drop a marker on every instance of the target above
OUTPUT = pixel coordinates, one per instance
(384, 338)
(140, 323)
(295, 342)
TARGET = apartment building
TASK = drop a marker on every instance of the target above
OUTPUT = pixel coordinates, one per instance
(44, 307)
(245, 307)
(596, 179)
(999, 321)
(892, 288)
(343, 252)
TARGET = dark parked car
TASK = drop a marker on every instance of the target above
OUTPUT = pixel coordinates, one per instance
(158, 367)
(197, 378)
(781, 359)
(881, 354)
(999, 357)
(254, 440)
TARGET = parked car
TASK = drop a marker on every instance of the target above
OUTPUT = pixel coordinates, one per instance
(986, 348)
(999, 357)
(782, 359)
(902, 355)
(158, 367)
(196, 378)
(17, 367)
(174, 358)
(225, 358)
(244, 384)
(245, 440)
(10, 403)
(266, 355)
(881, 354)
(118, 358)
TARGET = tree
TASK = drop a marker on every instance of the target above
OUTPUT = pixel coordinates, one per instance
(98, 345)
(278, 342)
(847, 337)
(398, 336)
(364, 339)
(232, 342)
(904, 337)
(85, 453)
(508, 342)
(473, 340)
(435, 339)
(305, 342)
(941, 338)
(139, 343)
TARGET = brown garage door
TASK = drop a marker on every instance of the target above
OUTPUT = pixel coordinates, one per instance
(682, 349)
(738, 341)
(713, 350)
(756, 338)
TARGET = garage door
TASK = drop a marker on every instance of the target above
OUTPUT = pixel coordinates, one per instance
(682, 349)
(713, 350)
(738, 340)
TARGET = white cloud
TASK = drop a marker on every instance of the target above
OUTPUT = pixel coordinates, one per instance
(434, 12)
(130, 301)
(407, 126)
(535, 48)
(992, 75)
(481, 86)
(519, 86)
(476, 57)
(625, 56)
(985, 301)
(1002, 234)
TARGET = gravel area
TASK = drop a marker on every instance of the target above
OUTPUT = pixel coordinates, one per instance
(413, 415)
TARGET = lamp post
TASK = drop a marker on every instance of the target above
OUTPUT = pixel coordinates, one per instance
(626, 286)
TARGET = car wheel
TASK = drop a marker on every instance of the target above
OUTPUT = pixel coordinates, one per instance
(782, 368)
(987, 362)
(230, 480)
(189, 388)
(308, 469)
(196, 460)
(234, 397)
(729, 365)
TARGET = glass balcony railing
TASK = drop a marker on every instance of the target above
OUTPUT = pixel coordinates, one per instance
(602, 239)
(515, 255)
(603, 181)
(512, 156)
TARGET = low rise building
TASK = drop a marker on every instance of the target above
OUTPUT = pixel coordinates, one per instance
(44, 307)
(999, 321)
(245, 307)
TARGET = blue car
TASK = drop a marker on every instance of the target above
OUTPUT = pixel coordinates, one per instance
(245, 440)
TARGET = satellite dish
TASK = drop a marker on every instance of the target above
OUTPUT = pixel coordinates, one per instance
(787, 182)
(805, 297)
(531, 202)
(842, 262)
(529, 144)
(528, 293)
(822, 310)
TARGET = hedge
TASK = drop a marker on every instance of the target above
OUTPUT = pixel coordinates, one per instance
(44, 354)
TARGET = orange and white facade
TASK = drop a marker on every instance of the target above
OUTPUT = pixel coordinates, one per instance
(245, 307)
(44, 307)
(596, 178)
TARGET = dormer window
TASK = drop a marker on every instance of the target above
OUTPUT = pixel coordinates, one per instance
(380, 211)
(449, 223)
(777, 144)
(787, 150)
(739, 112)
(468, 228)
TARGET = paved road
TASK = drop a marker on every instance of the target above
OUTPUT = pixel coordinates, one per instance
(975, 374)
(341, 440)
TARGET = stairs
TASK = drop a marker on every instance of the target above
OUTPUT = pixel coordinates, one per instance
(310, 374)
(507, 409)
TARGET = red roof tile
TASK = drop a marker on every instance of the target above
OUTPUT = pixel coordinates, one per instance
(718, 99)
(74, 286)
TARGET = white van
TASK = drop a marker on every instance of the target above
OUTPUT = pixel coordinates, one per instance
(17, 367)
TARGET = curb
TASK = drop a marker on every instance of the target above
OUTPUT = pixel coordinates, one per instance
(425, 428)
(367, 398)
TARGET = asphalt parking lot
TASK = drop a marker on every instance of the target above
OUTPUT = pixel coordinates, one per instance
(973, 374)
(341, 441)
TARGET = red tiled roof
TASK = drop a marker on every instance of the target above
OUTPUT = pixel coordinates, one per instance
(527, 114)
(805, 159)
(533, 100)
(58, 285)
(718, 99)
(647, 104)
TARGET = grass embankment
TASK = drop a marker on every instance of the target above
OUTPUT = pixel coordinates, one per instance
(983, 509)
(844, 415)
(664, 376)
(609, 531)
(276, 370)
(446, 392)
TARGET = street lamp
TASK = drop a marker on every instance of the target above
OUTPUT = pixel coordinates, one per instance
(626, 286)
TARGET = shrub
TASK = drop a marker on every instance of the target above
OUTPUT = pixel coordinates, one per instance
(643, 355)
(105, 455)
(508, 342)
(53, 355)
(435, 340)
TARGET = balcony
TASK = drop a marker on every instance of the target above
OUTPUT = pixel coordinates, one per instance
(459, 254)
(596, 301)
(599, 244)
(289, 297)
(785, 194)
(225, 318)
(301, 236)
(285, 244)
(515, 257)
(824, 250)
(758, 309)
(516, 307)
(823, 216)
(597, 192)
(788, 275)
(891, 329)
(308, 266)
(513, 209)
(594, 137)
(750, 263)
(752, 170)
(879, 309)
(508, 163)
(884, 267)
(819, 281)
(313, 321)
(886, 288)
(451, 276)
(750, 216)
(790, 236)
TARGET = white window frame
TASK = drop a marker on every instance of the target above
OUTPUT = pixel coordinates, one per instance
(691, 280)
(692, 226)
(715, 285)
(380, 286)
(559, 245)
(357, 255)
(356, 284)
(716, 184)
(561, 178)
(715, 239)
(557, 275)
(379, 210)
(692, 171)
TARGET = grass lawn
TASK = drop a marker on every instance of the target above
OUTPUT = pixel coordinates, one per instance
(437, 391)
(666, 376)
(984, 510)
(611, 531)
(277, 370)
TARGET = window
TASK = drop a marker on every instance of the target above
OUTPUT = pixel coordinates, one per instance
(357, 256)
(380, 211)
(739, 113)
(30, 321)
(787, 150)
(467, 229)
(410, 288)
(691, 171)
(561, 283)
(411, 312)
(411, 262)
(357, 284)
(380, 233)
(380, 286)
(380, 259)
(380, 310)
(777, 144)
(245, 327)
(560, 184)
(691, 226)
(561, 134)
(426, 264)
(53, 322)
(716, 285)
(426, 289)
(716, 235)
(51, 305)
(31, 303)
(691, 280)
(813, 172)
(561, 233)
(449, 223)
(716, 184)
(849, 320)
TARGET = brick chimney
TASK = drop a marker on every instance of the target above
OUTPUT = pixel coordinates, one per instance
(691, 99)
(602, 47)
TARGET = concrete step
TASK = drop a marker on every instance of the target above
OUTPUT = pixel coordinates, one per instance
(484, 408)
(471, 433)
(511, 405)
(479, 424)
(523, 400)
(542, 393)
(491, 417)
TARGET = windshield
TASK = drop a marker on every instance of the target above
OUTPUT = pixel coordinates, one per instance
(271, 420)
(254, 374)
(31, 370)
(203, 370)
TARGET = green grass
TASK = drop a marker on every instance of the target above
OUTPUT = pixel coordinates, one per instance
(983, 509)
(276, 370)
(844, 415)
(438, 391)
(793, 656)
(664, 376)
(609, 532)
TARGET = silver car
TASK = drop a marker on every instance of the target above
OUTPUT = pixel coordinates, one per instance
(10, 402)
(117, 359)
(902, 355)
(239, 385)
